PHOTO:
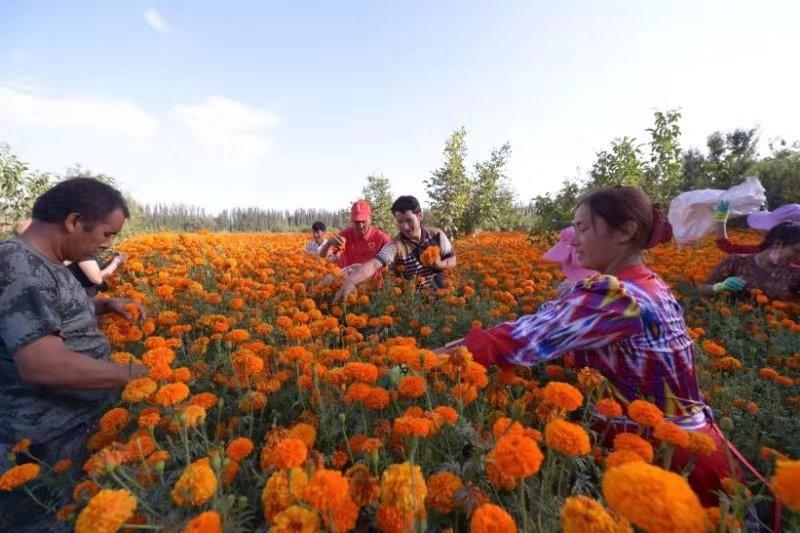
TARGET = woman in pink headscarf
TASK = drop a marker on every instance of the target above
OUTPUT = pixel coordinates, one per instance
(564, 253)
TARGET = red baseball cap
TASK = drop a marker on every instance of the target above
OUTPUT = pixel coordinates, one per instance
(360, 212)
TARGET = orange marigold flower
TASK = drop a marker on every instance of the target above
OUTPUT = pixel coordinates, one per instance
(106, 512)
(672, 434)
(290, 453)
(567, 438)
(363, 485)
(581, 514)
(85, 490)
(237, 336)
(393, 520)
(653, 499)
(491, 518)
(497, 478)
(21, 446)
(305, 433)
(517, 456)
(18, 475)
(207, 522)
(562, 395)
(590, 379)
(608, 408)
(160, 356)
(411, 387)
(114, 420)
(206, 400)
(196, 485)
(138, 390)
(645, 413)
(378, 398)
(66, 513)
(296, 519)
(62, 466)
(634, 443)
(254, 401)
(407, 426)
(505, 425)
(442, 487)
(239, 448)
(171, 394)
(621, 457)
(786, 484)
(149, 417)
(429, 256)
(364, 372)
(326, 489)
(448, 413)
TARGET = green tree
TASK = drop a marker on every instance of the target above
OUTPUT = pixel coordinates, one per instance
(449, 187)
(779, 173)
(662, 179)
(554, 212)
(622, 165)
(491, 197)
(19, 188)
(378, 193)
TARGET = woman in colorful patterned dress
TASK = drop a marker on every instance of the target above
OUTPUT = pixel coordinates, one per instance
(624, 322)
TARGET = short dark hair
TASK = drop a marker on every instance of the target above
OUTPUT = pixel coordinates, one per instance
(406, 203)
(318, 226)
(785, 233)
(92, 199)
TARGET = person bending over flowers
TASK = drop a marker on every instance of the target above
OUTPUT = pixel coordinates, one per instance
(624, 322)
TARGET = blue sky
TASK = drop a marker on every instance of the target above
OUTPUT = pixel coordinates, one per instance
(292, 104)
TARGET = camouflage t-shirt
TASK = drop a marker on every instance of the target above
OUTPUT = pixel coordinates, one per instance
(39, 297)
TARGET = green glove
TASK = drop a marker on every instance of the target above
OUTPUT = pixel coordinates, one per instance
(733, 284)
(722, 211)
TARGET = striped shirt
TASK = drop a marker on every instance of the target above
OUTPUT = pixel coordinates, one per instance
(403, 254)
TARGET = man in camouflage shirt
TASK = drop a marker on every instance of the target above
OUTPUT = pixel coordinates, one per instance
(55, 376)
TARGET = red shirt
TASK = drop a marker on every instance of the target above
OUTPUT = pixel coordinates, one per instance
(359, 249)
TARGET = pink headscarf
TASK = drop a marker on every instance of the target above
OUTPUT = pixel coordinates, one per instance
(563, 252)
(765, 220)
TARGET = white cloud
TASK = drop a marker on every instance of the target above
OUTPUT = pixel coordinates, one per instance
(27, 109)
(155, 20)
(235, 130)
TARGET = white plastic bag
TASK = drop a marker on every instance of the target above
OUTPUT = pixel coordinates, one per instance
(692, 213)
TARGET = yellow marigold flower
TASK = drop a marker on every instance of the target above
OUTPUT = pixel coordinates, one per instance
(581, 514)
(645, 413)
(290, 453)
(276, 496)
(656, 500)
(621, 457)
(672, 434)
(403, 487)
(490, 518)
(239, 448)
(296, 519)
(208, 522)
(567, 438)
(411, 387)
(701, 443)
(171, 394)
(106, 512)
(326, 489)
(634, 443)
(786, 484)
(562, 395)
(18, 475)
(196, 485)
(21, 446)
(442, 487)
(138, 390)
(517, 456)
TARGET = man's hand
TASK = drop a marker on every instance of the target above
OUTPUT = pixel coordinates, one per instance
(138, 371)
(117, 305)
(120, 258)
(336, 241)
(347, 287)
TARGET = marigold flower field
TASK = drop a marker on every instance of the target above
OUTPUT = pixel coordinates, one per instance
(269, 408)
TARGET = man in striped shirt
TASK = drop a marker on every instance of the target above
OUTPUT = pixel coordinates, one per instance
(405, 250)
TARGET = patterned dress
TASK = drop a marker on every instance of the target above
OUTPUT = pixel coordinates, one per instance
(630, 328)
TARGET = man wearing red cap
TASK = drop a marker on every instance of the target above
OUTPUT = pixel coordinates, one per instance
(360, 242)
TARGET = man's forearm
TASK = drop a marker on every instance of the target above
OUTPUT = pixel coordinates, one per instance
(72, 370)
(365, 272)
(449, 263)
